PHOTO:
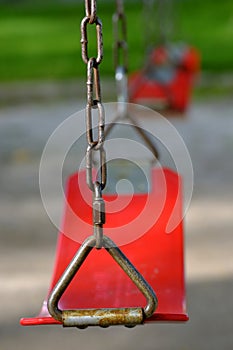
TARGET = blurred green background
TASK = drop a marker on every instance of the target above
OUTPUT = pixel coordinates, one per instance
(39, 40)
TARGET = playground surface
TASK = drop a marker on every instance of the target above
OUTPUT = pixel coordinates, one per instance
(28, 238)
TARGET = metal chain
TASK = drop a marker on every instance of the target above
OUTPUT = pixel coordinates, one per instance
(121, 68)
(120, 46)
(159, 18)
(94, 102)
(103, 317)
(90, 7)
(120, 56)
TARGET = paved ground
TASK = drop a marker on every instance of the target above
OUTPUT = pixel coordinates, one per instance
(28, 238)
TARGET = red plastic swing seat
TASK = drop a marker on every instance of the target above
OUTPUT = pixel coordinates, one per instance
(174, 93)
(140, 228)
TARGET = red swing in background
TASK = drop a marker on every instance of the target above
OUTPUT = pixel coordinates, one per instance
(166, 81)
(105, 288)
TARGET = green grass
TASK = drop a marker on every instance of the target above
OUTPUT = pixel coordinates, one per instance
(209, 26)
(40, 39)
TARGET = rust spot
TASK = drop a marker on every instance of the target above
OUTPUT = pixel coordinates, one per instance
(102, 317)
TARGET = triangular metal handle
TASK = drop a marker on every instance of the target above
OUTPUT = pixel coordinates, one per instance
(101, 317)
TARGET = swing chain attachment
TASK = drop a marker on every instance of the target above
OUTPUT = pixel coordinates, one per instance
(98, 215)
(83, 318)
(96, 187)
(94, 102)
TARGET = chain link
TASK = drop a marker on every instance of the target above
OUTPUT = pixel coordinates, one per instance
(93, 83)
(84, 39)
(90, 7)
(89, 167)
(94, 102)
(120, 54)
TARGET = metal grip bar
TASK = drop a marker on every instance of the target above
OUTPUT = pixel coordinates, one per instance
(101, 317)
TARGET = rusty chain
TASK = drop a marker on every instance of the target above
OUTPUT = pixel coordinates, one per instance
(82, 318)
(90, 8)
(94, 102)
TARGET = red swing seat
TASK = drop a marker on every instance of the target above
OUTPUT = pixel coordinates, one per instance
(166, 82)
(139, 227)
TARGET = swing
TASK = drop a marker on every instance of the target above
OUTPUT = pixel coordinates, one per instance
(156, 254)
(167, 78)
(131, 274)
